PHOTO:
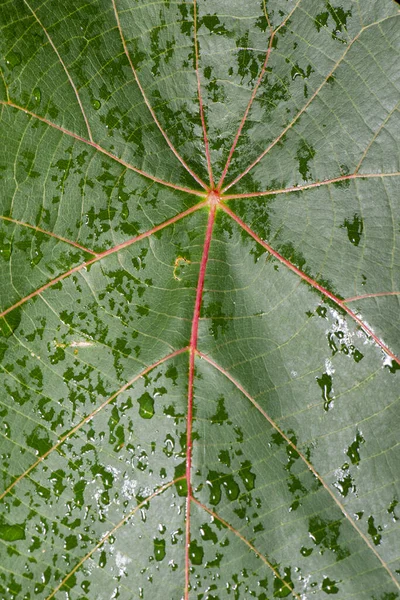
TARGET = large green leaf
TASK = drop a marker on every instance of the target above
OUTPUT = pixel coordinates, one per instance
(199, 238)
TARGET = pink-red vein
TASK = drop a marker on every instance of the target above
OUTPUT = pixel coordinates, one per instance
(249, 544)
(103, 151)
(372, 295)
(71, 432)
(201, 107)
(253, 95)
(112, 531)
(296, 118)
(192, 356)
(101, 255)
(313, 283)
(49, 233)
(308, 186)
(150, 108)
(65, 69)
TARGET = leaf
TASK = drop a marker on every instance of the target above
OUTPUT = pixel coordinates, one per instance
(199, 330)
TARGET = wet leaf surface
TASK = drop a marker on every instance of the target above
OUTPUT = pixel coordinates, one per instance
(199, 308)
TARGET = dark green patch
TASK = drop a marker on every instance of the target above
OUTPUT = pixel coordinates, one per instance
(12, 533)
(196, 553)
(354, 229)
(283, 587)
(247, 476)
(325, 534)
(218, 481)
(39, 441)
(146, 406)
(159, 549)
(353, 451)
(221, 415)
(325, 383)
(329, 586)
(305, 154)
(374, 531)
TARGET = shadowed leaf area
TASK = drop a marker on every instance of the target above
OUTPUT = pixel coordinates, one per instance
(199, 299)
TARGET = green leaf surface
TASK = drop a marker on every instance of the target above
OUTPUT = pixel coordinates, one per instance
(199, 300)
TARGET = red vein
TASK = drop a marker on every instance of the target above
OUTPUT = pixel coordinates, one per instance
(101, 255)
(202, 117)
(304, 459)
(312, 282)
(253, 95)
(151, 110)
(65, 69)
(90, 416)
(249, 544)
(192, 347)
(299, 188)
(372, 295)
(112, 531)
(102, 150)
(54, 235)
(293, 121)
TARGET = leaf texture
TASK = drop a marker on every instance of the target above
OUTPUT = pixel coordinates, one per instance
(199, 309)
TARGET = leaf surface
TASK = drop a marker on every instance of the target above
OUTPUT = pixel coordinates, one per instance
(199, 233)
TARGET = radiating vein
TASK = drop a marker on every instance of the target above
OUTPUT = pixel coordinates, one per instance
(308, 186)
(102, 255)
(201, 106)
(49, 233)
(301, 111)
(102, 150)
(371, 295)
(246, 112)
(313, 283)
(146, 101)
(65, 69)
(304, 459)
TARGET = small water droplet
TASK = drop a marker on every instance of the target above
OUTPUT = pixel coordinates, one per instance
(96, 104)
(37, 95)
(13, 59)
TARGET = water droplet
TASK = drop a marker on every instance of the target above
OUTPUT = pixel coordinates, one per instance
(146, 406)
(13, 59)
(103, 560)
(196, 553)
(96, 104)
(12, 533)
(159, 549)
(329, 587)
(37, 95)
(374, 531)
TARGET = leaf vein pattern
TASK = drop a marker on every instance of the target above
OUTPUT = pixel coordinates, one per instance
(103, 150)
(199, 95)
(192, 357)
(65, 69)
(102, 255)
(150, 108)
(249, 544)
(49, 233)
(313, 283)
(113, 530)
(213, 202)
(298, 115)
(304, 459)
(91, 416)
